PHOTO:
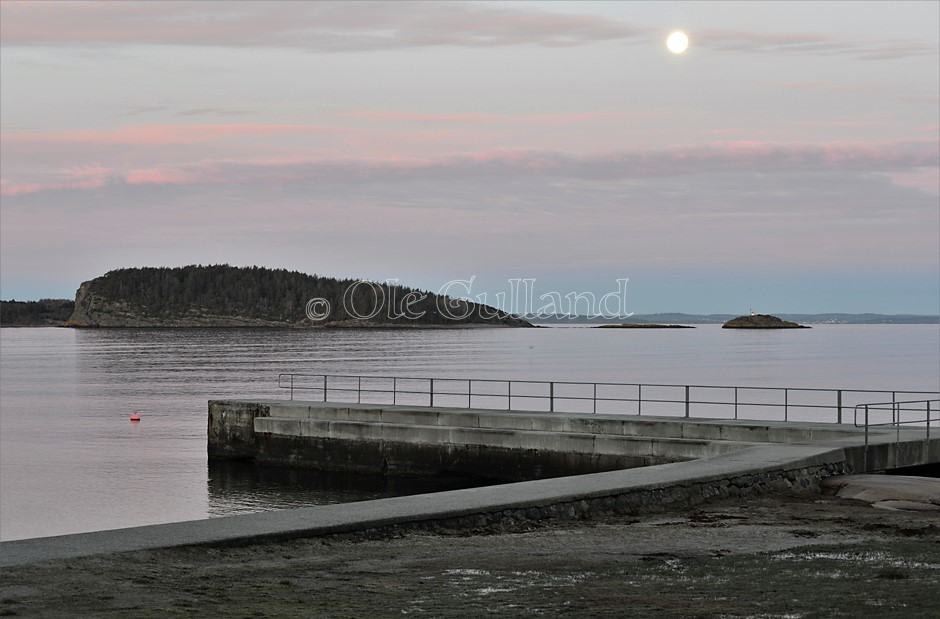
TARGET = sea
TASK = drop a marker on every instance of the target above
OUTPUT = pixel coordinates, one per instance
(71, 461)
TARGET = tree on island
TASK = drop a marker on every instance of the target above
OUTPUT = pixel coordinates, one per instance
(225, 295)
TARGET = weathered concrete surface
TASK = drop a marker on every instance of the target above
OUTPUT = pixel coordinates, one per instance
(508, 454)
(753, 470)
(519, 445)
(887, 491)
(231, 429)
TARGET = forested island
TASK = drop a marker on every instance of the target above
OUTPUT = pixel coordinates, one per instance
(227, 296)
(41, 313)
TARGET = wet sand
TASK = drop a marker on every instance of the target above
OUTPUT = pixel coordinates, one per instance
(773, 556)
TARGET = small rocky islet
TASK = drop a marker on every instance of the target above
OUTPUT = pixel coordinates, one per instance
(761, 321)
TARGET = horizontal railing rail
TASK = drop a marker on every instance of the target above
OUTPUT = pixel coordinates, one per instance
(688, 400)
(917, 412)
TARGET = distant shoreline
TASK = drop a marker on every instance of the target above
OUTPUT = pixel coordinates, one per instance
(393, 327)
(420, 327)
(57, 312)
(630, 325)
(834, 318)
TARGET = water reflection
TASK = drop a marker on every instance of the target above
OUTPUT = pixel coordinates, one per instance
(241, 487)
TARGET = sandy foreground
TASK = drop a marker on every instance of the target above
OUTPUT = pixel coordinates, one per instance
(774, 556)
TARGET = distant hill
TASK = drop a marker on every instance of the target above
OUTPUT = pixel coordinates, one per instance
(226, 296)
(696, 319)
(42, 313)
(863, 319)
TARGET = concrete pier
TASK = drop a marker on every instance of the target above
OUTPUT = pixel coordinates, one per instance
(521, 445)
(690, 462)
(748, 471)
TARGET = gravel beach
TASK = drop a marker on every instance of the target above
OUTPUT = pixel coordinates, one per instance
(774, 556)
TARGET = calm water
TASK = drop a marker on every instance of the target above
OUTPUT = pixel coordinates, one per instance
(71, 461)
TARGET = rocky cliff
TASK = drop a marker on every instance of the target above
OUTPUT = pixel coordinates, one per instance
(94, 310)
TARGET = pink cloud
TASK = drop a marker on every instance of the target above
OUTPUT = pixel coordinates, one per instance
(738, 156)
(91, 176)
(86, 177)
(10, 188)
(156, 176)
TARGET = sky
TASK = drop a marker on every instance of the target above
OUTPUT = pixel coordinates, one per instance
(788, 161)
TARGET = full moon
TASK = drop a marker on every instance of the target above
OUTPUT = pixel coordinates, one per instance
(677, 42)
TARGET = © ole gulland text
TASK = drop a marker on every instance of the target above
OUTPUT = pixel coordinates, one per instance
(366, 300)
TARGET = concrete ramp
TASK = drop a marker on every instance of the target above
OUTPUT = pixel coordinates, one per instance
(753, 458)
(744, 472)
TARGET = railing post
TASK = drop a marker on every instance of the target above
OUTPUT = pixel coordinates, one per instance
(394, 390)
(897, 439)
(595, 399)
(865, 458)
(291, 386)
(786, 403)
(508, 395)
(432, 392)
(735, 402)
(470, 393)
(893, 400)
(639, 400)
(687, 401)
(551, 397)
(359, 390)
(928, 420)
(324, 387)
(839, 404)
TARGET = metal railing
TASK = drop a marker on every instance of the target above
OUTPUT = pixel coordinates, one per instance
(705, 401)
(904, 412)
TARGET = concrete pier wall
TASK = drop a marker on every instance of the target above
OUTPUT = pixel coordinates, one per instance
(517, 445)
(505, 447)
(232, 428)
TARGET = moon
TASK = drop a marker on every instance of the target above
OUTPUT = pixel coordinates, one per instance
(677, 42)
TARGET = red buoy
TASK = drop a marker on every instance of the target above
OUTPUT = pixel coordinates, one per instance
(135, 416)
